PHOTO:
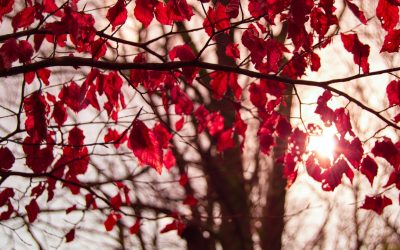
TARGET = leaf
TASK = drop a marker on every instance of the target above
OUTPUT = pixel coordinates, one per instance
(70, 235)
(114, 137)
(376, 203)
(169, 160)
(116, 201)
(5, 195)
(24, 18)
(179, 124)
(342, 122)
(179, 10)
(356, 11)
(333, 176)
(216, 19)
(388, 14)
(7, 158)
(145, 146)
(215, 123)
(190, 200)
(232, 51)
(369, 168)
(359, 50)
(394, 178)
(183, 180)
(144, 11)
(162, 134)
(326, 113)
(392, 41)
(387, 150)
(393, 92)
(98, 48)
(134, 229)
(225, 140)
(110, 222)
(59, 113)
(174, 225)
(184, 53)
(117, 14)
(6, 6)
(32, 210)
(76, 137)
(36, 109)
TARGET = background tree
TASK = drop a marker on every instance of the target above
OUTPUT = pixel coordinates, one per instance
(139, 118)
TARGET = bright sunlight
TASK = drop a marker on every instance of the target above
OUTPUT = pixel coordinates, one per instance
(323, 144)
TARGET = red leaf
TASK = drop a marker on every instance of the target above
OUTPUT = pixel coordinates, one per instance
(215, 123)
(113, 136)
(70, 235)
(179, 124)
(117, 14)
(44, 75)
(70, 209)
(98, 48)
(25, 51)
(376, 203)
(392, 41)
(216, 19)
(59, 113)
(313, 169)
(232, 8)
(144, 11)
(184, 53)
(394, 178)
(359, 50)
(342, 122)
(5, 195)
(169, 160)
(162, 134)
(6, 6)
(7, 214)
(7, 158)
(145, 146)
(116, 201)
(257, 95)
(134, 229)
(36, 109)
(32, 210)
(283, 127)
(175, 225)
(356, 11)
(24, 18)
(110, 222)
(388, 14)
(190, 200)
(333, 176)
(393, 92)
(321, 20)
(183, 104)
(256, 45)
(266, 139)
(369, 168)
(326, 113)
(179, 10)
(183, 180)
(8, 53)
(76, 137)
(225, 140)
(387, 150)
(219, 84)
(232, 50)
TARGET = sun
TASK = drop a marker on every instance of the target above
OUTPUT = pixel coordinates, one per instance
(323, 144)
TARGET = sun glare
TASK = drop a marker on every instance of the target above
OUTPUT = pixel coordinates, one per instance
(323, 144)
